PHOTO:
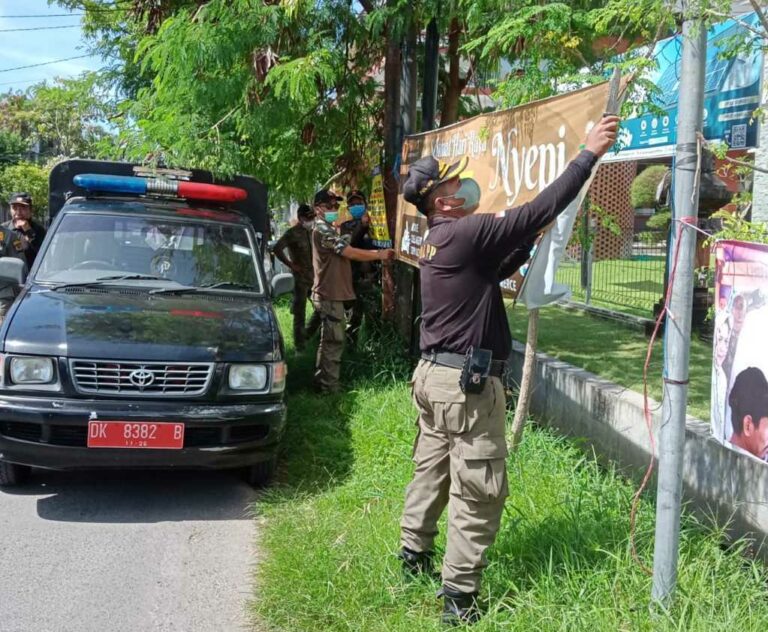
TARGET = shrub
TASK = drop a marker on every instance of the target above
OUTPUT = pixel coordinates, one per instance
(643, 191)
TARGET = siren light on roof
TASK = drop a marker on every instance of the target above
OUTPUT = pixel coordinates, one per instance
(143, 186)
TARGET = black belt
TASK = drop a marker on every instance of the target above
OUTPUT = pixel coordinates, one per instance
(456, 361)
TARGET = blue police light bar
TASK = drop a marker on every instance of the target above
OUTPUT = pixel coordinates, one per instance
(141, 186)
(111, 184)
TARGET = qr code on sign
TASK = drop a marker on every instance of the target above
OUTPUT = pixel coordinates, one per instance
(739, 136)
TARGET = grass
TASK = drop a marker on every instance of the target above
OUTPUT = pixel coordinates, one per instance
(614, 352)
(329, 529)
(632, 286)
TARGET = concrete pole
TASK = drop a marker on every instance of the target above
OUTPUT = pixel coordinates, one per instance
(678, 322)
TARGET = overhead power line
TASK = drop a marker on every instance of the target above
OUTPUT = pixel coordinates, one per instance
(56, 15)
(40, 28)
(47, 63)
(44, 15)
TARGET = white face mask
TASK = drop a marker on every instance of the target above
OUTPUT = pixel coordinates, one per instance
(308, 224)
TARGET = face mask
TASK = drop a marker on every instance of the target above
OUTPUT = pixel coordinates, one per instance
(309, 224)
(331, 216)
(357, 211)
(469, 191)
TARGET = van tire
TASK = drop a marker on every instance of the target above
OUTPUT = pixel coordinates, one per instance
(260, 474)
(12, 474)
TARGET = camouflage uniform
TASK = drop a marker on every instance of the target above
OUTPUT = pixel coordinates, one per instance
(332, 289)
(298, 241)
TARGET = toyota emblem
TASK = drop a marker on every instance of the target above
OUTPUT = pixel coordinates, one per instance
(141, 378)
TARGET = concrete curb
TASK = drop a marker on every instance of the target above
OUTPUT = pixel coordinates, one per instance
(717, 481)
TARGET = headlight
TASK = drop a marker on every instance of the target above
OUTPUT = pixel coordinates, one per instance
(248, 377)
(31, 370)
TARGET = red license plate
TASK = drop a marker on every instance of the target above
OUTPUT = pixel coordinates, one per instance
(135, 434)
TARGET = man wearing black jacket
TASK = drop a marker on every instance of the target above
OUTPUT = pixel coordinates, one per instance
(460, 449)
(21, 237)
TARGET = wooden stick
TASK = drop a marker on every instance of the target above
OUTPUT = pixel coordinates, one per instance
(526, 383)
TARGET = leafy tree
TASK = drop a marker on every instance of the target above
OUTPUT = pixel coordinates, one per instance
(29, 177)
(65, 118)
(12, 147)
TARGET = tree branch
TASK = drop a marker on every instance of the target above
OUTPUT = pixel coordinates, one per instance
(743, 163)
(741, 23)
(763, 20)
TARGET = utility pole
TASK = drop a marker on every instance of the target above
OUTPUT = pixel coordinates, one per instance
(431, 69)
(677, 334)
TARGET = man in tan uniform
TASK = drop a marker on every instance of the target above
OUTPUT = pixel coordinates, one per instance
(297, 240)
(331, 255)
(460, 448)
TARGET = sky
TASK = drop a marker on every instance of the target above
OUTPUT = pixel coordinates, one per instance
(22, 48)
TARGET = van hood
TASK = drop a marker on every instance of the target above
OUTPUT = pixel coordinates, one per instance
(131, 324)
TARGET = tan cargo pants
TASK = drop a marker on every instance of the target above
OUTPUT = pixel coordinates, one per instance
(331, 348)
(459, 453)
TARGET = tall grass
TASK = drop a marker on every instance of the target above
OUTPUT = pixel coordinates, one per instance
(329, 529)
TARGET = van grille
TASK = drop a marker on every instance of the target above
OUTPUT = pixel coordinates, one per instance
(141, 379)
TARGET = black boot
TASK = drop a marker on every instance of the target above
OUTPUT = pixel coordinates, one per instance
(415, 562)
(459, 608)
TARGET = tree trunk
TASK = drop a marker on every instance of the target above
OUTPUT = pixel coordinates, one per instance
(392, 139)
(526, 383)
(450, 112)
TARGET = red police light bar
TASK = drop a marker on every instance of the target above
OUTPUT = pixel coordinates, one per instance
(134, 185)
(213, 192)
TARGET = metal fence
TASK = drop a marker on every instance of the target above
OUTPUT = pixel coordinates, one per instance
(632, 283)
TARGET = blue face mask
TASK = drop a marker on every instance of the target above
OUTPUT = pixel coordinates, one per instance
(331, 216)
(357, 210)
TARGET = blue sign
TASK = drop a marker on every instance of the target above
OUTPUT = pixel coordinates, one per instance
(731, 93)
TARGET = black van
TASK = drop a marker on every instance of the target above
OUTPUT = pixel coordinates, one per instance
(144, 335)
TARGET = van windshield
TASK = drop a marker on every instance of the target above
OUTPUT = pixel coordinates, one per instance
(165, 252)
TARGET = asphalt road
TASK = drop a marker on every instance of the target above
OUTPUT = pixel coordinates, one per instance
(138, 551)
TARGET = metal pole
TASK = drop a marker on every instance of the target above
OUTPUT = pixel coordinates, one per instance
(678, 323)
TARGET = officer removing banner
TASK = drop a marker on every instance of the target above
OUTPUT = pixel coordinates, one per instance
(460, 448)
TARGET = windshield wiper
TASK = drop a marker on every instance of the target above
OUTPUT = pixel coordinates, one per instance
(131, 277)
(102, 281)
(204, 288)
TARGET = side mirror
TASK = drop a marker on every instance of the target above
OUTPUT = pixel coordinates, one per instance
(12, 271)
(281, 283)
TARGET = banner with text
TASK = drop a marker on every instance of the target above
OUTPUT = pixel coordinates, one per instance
(379, 230)
(740, 355)
(513, 155)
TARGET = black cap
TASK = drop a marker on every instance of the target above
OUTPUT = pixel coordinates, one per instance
(425, 175)
(324, 196)
(305, 210)
(356, 193)
(21, 198)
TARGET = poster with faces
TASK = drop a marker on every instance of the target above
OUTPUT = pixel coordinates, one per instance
(739, 409)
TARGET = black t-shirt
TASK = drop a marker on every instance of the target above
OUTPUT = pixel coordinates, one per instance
(463, 261)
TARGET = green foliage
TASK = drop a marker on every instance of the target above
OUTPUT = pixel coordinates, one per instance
(26, 176)
(736, 227)
(585, 234)
(659, 222)
(65, 118)
(12, 147)
(643, 191)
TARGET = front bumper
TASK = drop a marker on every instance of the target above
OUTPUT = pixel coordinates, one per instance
(51, 433)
